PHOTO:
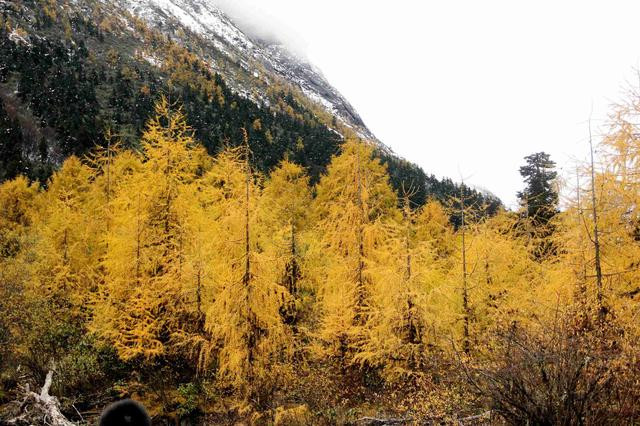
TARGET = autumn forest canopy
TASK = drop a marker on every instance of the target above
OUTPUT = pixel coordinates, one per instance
(203, 287)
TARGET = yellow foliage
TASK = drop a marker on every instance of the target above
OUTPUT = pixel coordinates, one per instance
(69, 242)
(403, 324)
(169, 254)
(294, 416)
(247, 335)
(17, 198)
(148, 273)
(352, 211)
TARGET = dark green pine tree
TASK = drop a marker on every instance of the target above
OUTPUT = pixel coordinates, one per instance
(11, 161)
(539, 198)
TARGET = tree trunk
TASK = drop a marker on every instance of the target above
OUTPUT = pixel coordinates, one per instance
(39, 408)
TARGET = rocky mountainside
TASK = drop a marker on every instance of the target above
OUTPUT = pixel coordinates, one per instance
(262, 59)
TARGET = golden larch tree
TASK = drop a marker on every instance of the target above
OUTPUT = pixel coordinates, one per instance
(142, 301)
(248, 338)
(352, 212)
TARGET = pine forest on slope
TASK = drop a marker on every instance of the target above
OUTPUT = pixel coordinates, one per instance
(69, 71)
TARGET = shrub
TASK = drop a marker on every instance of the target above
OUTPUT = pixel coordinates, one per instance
(575, 372)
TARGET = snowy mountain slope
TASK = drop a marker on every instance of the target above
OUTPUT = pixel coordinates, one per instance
(71, 68)
(212, 24)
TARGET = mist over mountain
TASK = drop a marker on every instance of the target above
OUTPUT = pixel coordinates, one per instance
(257, 23)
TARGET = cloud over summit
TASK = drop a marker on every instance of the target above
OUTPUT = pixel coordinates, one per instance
(259, 24)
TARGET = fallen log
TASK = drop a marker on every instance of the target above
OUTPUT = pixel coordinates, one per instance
(484, 416)
(373, 421)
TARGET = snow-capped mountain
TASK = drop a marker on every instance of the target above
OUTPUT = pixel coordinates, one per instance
(262, 60)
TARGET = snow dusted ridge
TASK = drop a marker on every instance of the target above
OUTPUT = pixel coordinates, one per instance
(212, 24)
(199, 16)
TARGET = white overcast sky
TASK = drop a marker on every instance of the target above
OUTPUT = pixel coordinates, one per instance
(468, 87)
